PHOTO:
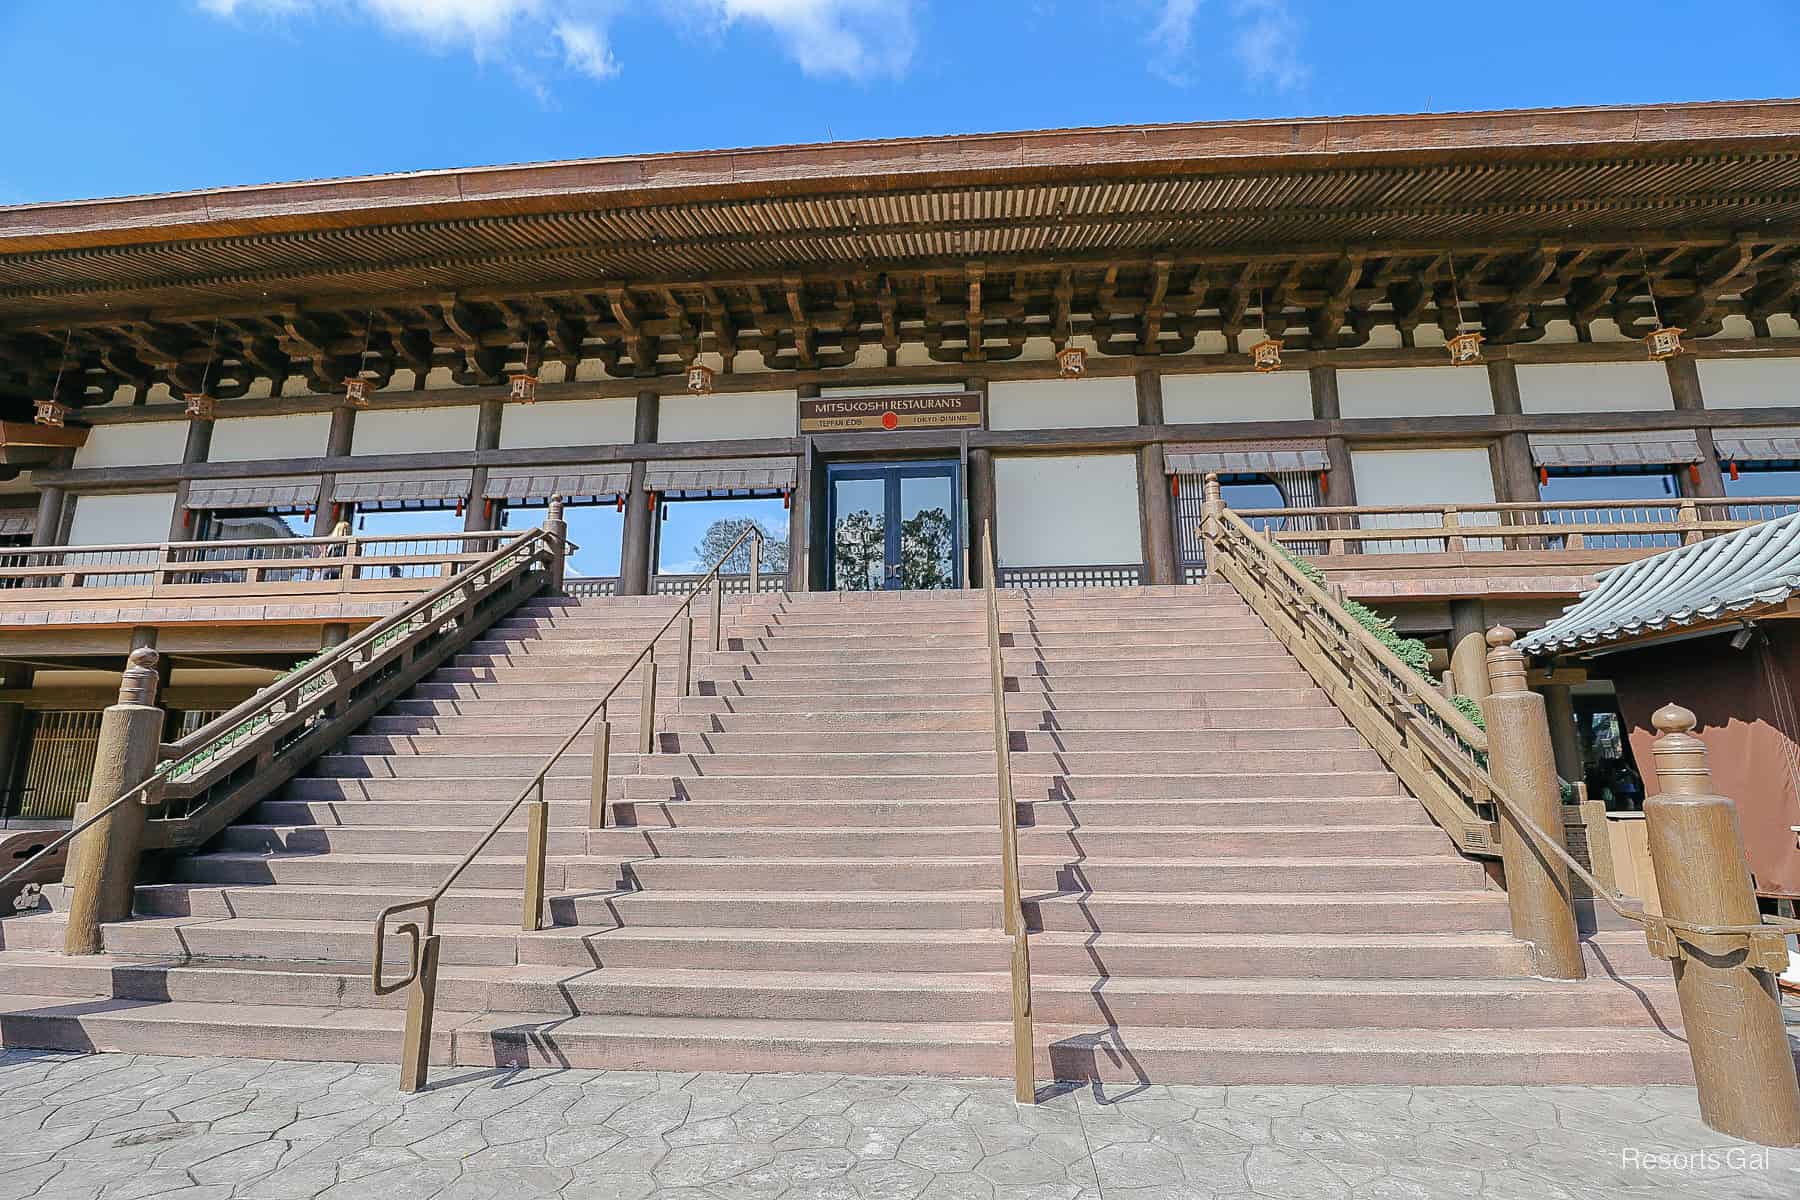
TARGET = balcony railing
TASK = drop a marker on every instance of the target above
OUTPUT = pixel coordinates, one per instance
(287, 566)
(1610, 528)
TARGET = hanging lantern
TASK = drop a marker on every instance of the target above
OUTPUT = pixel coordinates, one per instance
(1265, 356)
(524, 388)
(1071, 362)
(51, 413)
(1664, 342)
(200, 406)
(700, 379)
(356, 392)
(1464, 348)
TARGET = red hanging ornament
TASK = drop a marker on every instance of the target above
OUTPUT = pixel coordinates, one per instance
(1175, 486)
(1324, 484)
(1543, 476)
(1694, 474)
(1734, 473)
(459, 507)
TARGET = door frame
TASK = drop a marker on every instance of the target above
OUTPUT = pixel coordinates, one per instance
(891, 472)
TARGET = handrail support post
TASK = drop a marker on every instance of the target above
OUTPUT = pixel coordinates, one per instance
(1522, 763)
(602, 769)
(718, 606)
(537, 845)
(686, 684)
(1730, 1007)
(421, 1003)
(647, 706)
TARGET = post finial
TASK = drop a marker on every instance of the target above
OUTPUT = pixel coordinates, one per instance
(1672, 718)
(1681, 768)
(1505, 662)
(556, 508)
(138, 684)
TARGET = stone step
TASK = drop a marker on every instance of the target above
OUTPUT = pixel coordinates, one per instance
(578, 698)
(484, 717)
(974, 738)
(1244, 631)
(427, 860)
(462, 760)
(1321, 914)
(892, 788)
(700, 824)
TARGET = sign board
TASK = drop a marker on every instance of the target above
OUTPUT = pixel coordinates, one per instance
(846, 414)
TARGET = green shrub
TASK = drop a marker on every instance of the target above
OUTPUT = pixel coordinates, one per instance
(1410, 651)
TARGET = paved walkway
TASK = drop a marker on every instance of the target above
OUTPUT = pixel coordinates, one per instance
(125, 1127)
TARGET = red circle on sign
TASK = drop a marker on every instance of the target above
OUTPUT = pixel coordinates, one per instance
(890, 420)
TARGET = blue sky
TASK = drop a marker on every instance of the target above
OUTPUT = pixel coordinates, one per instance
(109, 97)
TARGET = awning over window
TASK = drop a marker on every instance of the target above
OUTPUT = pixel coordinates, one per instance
(1246, 458)
(17, 523)
(1756, 445)
(540, 484)
(375, 486)
(1659, 449)
(719, 474)
(298, 491)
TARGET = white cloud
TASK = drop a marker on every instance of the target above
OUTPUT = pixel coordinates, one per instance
(1267, 44)
(1264, 34)
(854, 38)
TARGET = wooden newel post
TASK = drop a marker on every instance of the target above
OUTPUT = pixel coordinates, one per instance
(1523, 764)
(1212, 508)
(1729, 1004)
(557, 530)
(103, 860)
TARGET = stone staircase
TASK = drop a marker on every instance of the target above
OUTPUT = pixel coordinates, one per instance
(1224, 883)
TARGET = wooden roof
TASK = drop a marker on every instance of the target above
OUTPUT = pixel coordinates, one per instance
(795, 250)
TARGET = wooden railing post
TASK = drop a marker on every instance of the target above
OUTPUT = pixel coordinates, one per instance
(717, 615)
(103, 859)
(421, 1003)
(602, 769)
(647, 705)
(537, 845)
(1523, 765)
(1212, 504)
(686, 686)
(1730, 1009)
(1452, 521)
(1687, 515)
(556, 532)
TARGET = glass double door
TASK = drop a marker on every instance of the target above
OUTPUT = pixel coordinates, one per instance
(896, 525)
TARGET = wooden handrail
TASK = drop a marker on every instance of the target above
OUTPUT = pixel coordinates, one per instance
(288, 723)
(1522, 506)
(1436, 751)
(1012, 909)
(420, 978)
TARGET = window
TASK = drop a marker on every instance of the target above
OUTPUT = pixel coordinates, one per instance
(405, 529)
(596, 526)
(1599, 486)
(1759, 479)
(692, 531)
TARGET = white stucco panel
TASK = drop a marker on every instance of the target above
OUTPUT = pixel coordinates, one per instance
(138, 444)
(1393, 477)
(1750, 382)
(727, 415)
(1594, 387)
(1236, 396)
(122, 518)
(415, 430)
(1066, 510)
(597, 422)
(1062, 403)
(1414, 392)
(246, 439)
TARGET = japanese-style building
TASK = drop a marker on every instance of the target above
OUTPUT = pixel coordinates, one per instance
(1458, 362)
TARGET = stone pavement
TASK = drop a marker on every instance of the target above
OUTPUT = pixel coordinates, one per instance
(128, 1127)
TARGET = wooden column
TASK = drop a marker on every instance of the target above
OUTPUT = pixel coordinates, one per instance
(640, 522)
(1468, 648)
(1156, 511)
(199, 445)
(487, 437)
(1684, 386)
(337, 445)
(49, 516)
(800, 512)
(981, 508)
(1341, 481)
(1515, 479)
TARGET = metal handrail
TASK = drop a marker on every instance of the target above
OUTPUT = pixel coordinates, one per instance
(1012, 910)
(1524, 506)
(420, 935)
(228, 729)
(1411, 690)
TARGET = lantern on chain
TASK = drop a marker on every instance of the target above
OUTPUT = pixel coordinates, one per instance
(700, 378)
(53, 412)
(358, 387)
(1664, 341)
(1464, 346)
(200, 406)
(1071, 362)
(356, 392)
(524, 385)
(1265, 356)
